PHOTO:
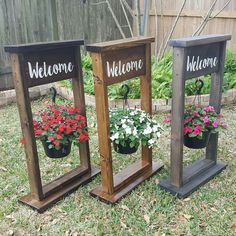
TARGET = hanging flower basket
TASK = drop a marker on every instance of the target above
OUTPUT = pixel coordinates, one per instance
(196, 143)
(129, 127)
(63, 151)
(57, 127)
(124, 149)
(199, 123)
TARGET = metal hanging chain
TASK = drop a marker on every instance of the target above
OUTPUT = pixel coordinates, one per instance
(199, 85)
(125, 97)
(54, 94)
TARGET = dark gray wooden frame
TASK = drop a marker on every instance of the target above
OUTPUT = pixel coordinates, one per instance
(42, 197)
(183, 181)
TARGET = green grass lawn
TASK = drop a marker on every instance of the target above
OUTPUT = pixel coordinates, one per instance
(145, 211)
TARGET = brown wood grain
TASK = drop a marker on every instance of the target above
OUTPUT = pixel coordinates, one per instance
(42, 197)
(50, 58)
(103, 124)
(123, 56)
(25, 113)
(117, 44)
(116, 186)
(79, 101)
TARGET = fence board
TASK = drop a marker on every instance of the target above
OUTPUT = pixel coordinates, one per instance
(28, 21)
(191, 17)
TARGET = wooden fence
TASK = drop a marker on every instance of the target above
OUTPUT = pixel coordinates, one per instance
(190, 18)
(28, 21)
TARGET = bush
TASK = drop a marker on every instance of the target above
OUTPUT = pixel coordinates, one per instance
(161, 79)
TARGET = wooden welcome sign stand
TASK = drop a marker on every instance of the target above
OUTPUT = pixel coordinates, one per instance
(114, 62)
(194, 57)
(37, 64)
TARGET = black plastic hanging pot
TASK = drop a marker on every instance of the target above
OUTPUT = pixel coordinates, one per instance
(196, 143)
(124, 150)
(54, 153)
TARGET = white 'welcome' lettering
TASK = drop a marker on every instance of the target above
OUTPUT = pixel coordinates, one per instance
(45, 70)
(117, 68)
(196, 64)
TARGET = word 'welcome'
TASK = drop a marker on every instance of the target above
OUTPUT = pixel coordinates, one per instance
(119, 68)
(196, 64)
(45, 70)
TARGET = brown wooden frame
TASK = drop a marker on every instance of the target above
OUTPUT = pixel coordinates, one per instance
(113, 187)
(183, 181)
(42, 197)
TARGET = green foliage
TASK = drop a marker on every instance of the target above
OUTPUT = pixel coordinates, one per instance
(161, 79)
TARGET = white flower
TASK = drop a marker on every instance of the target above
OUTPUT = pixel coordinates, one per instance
(141, 119)
(132, 113)
(114, 136)
(123, 121)
(128, 130)
(155, 128)
(148, 130)
(151, 142)
(135, 131)
(124, 126)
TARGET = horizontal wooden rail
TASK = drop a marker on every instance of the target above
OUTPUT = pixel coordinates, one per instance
(194, 13)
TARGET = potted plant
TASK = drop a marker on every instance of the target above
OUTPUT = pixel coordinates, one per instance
(199, 123)
(129, 127)
(57, 127)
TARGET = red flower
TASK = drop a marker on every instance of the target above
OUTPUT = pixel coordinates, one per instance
(68, 130)
(38, 132)
(195, 113)
(51, 138)
(58, 136)
(61, 128)
(22, 141)
(56, 143)
(45, 127)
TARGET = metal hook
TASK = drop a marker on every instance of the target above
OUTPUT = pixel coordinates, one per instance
(125, 97)
(54, 94)
(199, 85)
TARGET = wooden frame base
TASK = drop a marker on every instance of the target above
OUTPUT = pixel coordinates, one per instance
(134, 179)
(59, 191)
(194, 176)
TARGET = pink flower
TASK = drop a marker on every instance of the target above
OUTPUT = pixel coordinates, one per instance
(215, 124)
(209, 108)
(225, 126)
(206, 119)
(195, 113)
(187, 130)
(196, 131)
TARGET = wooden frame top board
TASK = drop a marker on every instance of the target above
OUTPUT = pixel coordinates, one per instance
(194, 57)
(42, 63)
(114, 62)
(42, 46)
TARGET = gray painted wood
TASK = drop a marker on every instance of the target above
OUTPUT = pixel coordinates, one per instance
(178, 87)
(199, 40)
(183, 182)
(215, 101)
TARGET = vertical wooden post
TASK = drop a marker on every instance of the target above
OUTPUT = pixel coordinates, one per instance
(146, 99)
(190, 60)
(79, 101)
(23, 103)
(215, 101)
(114, 62)
(45, 56)
(103, 124)
(177, 117)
